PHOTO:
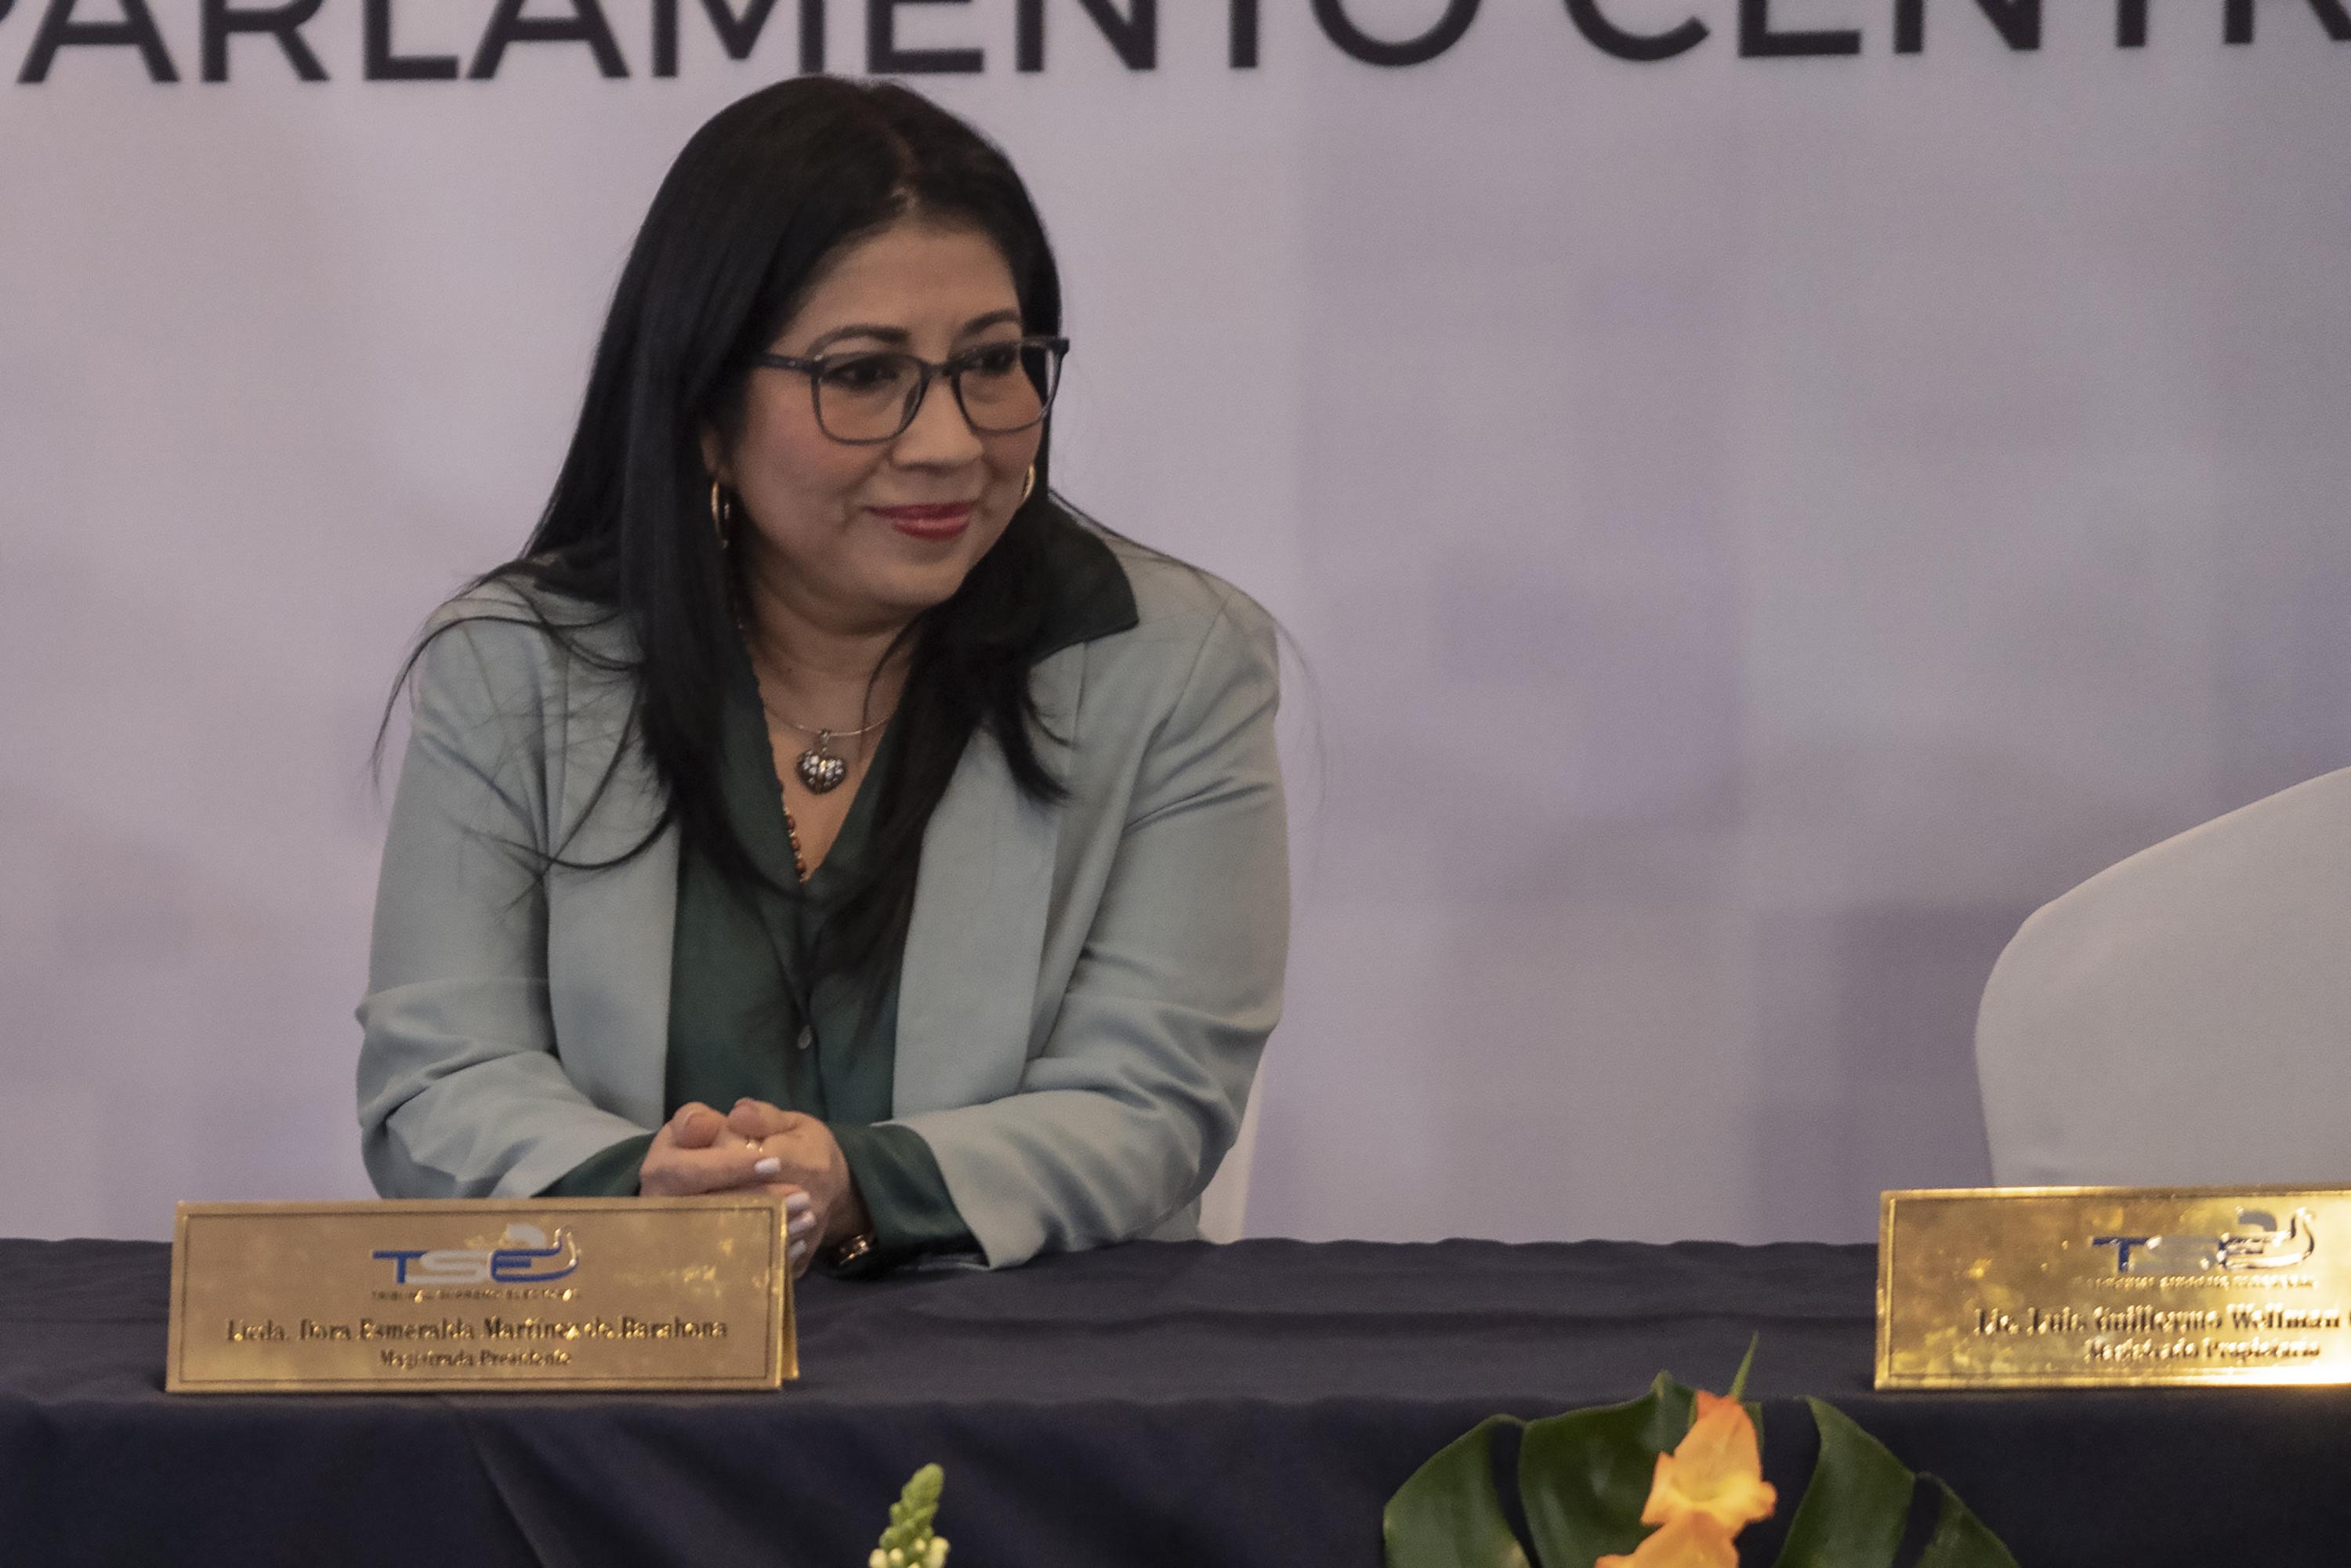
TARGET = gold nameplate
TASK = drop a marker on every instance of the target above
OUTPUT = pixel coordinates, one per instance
(2113, 1287)
(537, 1295)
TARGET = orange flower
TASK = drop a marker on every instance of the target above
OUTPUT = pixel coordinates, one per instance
(1689, 1541)
(1717, 1472)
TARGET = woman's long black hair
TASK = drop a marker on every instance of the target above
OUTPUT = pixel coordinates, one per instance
(765, 193)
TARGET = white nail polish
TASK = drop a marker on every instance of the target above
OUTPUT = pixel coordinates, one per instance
(769, 1167)
(800, 1225)
(797, 1203)
(798, 1251)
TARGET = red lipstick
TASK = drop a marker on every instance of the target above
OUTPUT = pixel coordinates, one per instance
(931, 520)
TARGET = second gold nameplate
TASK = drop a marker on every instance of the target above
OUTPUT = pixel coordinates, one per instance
(2113, 1287)
(540, 1295)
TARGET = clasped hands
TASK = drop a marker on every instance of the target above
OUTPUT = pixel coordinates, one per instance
(757, 1147)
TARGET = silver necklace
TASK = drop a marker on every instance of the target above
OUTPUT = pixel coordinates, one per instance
(819, 767)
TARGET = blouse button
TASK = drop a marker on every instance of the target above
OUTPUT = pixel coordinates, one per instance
(807, 1037)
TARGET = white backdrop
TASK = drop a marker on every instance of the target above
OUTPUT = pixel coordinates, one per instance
(1758, 526)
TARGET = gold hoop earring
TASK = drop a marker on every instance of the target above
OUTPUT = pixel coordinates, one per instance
(1028, 489)
(720, 515)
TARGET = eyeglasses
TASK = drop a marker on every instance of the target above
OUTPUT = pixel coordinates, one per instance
(869, 396)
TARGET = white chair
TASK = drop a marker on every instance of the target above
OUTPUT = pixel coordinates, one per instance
(1224, 1202)
(2184, 1018)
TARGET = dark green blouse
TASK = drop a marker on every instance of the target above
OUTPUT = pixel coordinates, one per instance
(739, 1021)
(743, 1023)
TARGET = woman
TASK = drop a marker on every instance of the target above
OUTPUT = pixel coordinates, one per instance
(816, 805)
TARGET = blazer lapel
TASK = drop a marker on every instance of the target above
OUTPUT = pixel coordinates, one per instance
(610, 931)
(966, 999)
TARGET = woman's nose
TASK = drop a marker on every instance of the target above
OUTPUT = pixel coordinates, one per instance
(940, 437)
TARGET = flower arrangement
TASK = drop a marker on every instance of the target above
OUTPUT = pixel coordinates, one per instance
(910, 1541)
(1668, 1480)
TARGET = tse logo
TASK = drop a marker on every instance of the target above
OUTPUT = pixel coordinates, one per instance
(524, 1256)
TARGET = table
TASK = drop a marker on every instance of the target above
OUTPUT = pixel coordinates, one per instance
(1177, 1404)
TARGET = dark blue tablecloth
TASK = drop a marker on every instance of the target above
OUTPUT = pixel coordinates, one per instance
(1154, 1403)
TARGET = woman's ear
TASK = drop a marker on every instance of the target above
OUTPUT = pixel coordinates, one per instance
(713, 460)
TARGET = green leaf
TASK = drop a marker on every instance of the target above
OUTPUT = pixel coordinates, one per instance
(1961, 1541)
(1739, 1384)
(1585, 1477)
(1448, 1515)
(1858, 1504)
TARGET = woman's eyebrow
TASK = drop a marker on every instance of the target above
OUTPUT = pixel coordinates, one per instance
(900, 336)
(863, 330)
(993, 318)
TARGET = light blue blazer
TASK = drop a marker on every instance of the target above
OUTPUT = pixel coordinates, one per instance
(1086, 987)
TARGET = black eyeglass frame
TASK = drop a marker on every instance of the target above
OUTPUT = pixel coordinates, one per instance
(931, 370)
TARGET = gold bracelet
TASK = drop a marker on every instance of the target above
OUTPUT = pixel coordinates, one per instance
(851, 1251)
